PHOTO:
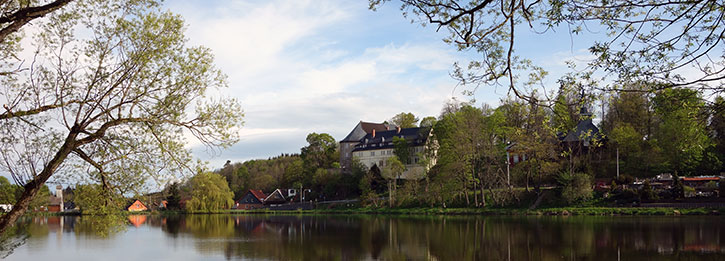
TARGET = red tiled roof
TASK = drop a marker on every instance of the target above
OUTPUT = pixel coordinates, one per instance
(258, 194)
(701, 179)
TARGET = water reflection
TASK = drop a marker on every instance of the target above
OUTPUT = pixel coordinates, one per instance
(417, 238)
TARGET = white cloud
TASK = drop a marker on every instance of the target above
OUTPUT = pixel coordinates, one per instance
(312, 66)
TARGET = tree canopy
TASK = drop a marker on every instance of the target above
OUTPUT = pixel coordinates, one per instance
(641, 40)
(404, 120)
(118, 100)
(209, 192)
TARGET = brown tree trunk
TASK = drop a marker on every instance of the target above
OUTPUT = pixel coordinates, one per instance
(483, 196)
(465, 193)
(528, 177)
(475, 197)
(32, 188)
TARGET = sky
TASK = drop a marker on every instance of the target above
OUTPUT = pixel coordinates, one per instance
(300, 66)
(303, 66)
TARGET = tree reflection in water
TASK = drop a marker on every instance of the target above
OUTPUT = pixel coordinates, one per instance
(366, 237)
(453, 238)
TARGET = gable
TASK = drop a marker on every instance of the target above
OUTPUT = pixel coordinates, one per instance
(276, 196)
(137, 205)
(249, 198)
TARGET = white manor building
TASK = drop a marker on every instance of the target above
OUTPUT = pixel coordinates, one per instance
(375, 148)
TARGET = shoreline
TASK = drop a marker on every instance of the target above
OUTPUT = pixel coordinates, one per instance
(558, 211)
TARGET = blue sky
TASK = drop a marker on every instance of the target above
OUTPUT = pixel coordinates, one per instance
(301, 66)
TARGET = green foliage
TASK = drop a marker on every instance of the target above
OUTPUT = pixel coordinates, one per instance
(174, 198)
(209, 192)
(41, 200)
(8, 191)
(428, 121)
(681, 134)
(646, 192)
(401, 150)
(294, 173)
(93, 199)
(320, 153)
(393, 168)
(575, 187)
(123, 118)
(404, 120)
(282, 171)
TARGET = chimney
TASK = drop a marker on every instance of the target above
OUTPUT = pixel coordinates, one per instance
(398, 128)
(373, 133)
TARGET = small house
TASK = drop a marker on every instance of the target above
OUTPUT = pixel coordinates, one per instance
(137, 205)
(254, 199)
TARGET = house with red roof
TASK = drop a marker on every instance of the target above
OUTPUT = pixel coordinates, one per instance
(254, 199)
(137, 205)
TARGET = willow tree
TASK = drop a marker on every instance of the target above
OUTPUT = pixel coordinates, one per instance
(126, 92)
(209, 192)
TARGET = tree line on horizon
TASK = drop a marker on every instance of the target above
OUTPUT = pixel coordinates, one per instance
(672, 131)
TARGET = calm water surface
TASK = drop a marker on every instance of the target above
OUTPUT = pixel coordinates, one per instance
(260, 237)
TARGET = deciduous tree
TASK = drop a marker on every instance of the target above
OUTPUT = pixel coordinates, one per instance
(404, 120)
(129, 87)
(209, 192)
(641, 40)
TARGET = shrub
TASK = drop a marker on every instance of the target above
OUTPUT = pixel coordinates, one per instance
(646, 192)
(575, 186)
(625, 196)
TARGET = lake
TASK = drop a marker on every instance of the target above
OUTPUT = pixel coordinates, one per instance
(368, 237)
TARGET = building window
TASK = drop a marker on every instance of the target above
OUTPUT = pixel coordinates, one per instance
(372, 153)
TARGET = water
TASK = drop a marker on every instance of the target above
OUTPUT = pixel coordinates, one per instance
(367, 237)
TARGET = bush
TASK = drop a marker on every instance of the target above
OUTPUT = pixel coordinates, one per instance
(575, 186)
(625, 196)
(646, 192)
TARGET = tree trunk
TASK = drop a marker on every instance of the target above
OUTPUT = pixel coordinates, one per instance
(475, 197)
(32, 188)
(528, 177)
(390, 194)
(483, 196)
(465, 193)
(27, 14)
